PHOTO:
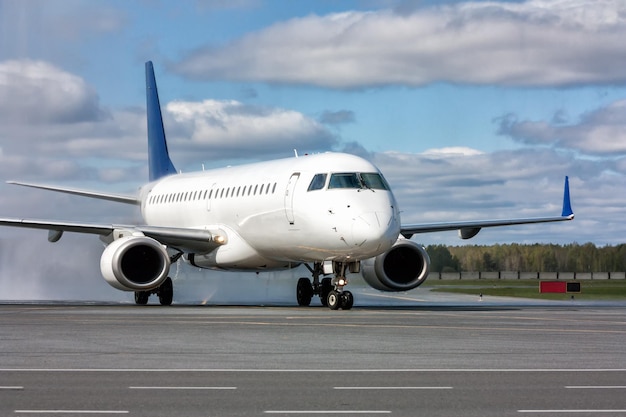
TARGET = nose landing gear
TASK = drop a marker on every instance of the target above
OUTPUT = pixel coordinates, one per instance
(329, 290)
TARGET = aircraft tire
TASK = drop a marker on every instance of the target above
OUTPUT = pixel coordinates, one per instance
(166, 292)
(327, 287)
(141, 297)
(304, 292)
(347, 300)
(334, 300)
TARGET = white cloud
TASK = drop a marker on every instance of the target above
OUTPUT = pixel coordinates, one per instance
(534, 43)
(38, 92)
(599, 132)
(506, 184)
(54, 129)
(225, 128)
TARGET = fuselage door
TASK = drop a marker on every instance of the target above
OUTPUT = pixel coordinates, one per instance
(289, 192)
(211, 196)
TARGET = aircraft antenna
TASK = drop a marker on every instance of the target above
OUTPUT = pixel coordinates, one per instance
(295, 151)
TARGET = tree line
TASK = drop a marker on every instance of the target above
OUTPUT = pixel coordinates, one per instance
(537, 257)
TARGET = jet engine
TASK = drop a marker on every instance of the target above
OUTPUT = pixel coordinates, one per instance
(135, 263)
(403, 267)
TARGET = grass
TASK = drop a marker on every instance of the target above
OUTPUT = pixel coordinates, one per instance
(605, 290)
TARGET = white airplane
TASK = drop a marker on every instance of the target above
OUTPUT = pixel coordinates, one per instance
(332, 212)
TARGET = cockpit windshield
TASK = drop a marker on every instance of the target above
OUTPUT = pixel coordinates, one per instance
(358, 180)
(344, 180)
(374, 180)
(318, 182)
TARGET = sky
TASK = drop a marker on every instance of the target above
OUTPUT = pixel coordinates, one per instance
(472, 110)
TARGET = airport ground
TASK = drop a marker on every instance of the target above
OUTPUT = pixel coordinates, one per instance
(405, 355)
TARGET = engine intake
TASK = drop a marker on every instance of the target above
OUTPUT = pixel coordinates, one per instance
(403, 267)
(135, 263)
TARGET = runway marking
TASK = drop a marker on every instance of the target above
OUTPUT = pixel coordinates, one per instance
(11, 388)
(403, 370)
(71, 412)
(571, 411)
(596, 387)
(184, 388)
(391, 388)
(327, 412)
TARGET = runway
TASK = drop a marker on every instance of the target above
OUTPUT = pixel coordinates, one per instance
(466, 359)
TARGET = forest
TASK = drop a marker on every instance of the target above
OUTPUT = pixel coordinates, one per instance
(530, 258)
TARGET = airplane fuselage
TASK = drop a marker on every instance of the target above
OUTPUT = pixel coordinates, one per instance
(312, 208)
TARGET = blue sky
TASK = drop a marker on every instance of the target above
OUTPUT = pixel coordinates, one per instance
(472, 110)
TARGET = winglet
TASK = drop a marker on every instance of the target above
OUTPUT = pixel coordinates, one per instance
(567, 205)
(159, 161)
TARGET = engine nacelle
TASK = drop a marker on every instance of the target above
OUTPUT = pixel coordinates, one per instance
(403, 267)
(135, 263)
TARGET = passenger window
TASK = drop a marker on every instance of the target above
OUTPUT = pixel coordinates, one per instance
(318, 182)
(344, 180)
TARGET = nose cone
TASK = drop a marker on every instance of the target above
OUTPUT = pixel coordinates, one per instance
(375, 232)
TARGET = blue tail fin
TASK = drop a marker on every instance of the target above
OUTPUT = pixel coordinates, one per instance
(567, 205)
(159, 162)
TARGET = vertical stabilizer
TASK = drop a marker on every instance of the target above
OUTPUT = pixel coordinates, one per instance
(159, 161)
(567, 204)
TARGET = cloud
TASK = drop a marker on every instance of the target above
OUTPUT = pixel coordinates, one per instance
(599, 132)
(224, 128)
(52, 127)
(38, 92)
(507, 184)
(533, 43)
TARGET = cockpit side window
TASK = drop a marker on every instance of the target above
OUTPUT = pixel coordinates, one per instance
(344, 180)
(374, 180)
(318, 182)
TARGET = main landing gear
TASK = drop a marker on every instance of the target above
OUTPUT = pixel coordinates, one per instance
(330, 290)
(165, 292)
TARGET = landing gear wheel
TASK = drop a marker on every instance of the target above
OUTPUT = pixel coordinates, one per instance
(347, 300)
(141, 297)
(327, 287)
(304, 292)
(166, 292)
(334, 300)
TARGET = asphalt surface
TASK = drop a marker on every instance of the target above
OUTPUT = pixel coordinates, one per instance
(404, 358)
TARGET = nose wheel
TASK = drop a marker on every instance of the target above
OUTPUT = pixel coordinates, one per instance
(337, 300)
(329, 290)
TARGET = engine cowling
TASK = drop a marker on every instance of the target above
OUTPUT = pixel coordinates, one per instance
(403, 267)
(135, 263)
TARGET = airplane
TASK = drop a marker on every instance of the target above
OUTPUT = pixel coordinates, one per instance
(334, 213)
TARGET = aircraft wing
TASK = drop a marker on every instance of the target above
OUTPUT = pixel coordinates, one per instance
(188, 240)
(118, 198)
(469, 229)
